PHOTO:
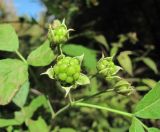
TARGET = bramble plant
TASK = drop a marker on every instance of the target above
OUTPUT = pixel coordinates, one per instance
(67, 71)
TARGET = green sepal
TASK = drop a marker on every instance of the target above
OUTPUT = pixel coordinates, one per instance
(80, 58)
(117, 69)
(83, 80)
(49, 72)
(67, 89)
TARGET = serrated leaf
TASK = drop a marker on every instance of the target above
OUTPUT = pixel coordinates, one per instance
(21, 96)
(8, 38)
(136, 126)
(41, 56)
(90, 60)
(83, 80)
(125, 62)
(153, 130)
(38, 125)
(13, 74)
(148, 107)
(102, 40)
(151, 64)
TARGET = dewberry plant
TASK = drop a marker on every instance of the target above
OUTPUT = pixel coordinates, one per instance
(69, 73)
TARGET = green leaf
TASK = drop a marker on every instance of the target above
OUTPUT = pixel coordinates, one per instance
(153, 130)
(67, 130)
(8, 122)
(8, 38)
(38, 125)
(136, 126)
(101, 39)
(21, 97)
(149, 82)
(114, 51)
(13, 74)
(90, 60)
(151, 64)
(148, 107)
(83, 80)
(41, 56)
(125, 62)
(27, 112)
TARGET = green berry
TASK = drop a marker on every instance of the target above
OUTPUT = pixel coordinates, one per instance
(77, 68)
(62, 67)
(74, 61)
(76, 76)
(71, 70)
(106, 67)
(67, 70)
(56, 69)
(58, 33)
(62, 76)
(69, 79)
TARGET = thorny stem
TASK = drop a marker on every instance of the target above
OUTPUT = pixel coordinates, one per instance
(21, 57)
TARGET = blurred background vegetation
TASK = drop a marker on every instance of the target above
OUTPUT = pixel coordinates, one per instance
(129, 29)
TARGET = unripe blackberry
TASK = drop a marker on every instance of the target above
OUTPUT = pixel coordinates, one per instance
(123, 87)
(106, 67)
(58, 33)
(67, 70)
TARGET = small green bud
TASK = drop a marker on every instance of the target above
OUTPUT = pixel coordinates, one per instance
(123, 87)
(106, 67)
(58, 33)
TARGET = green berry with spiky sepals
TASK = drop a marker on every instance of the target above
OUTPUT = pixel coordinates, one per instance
(106, 67)
(58, 33)
(67, 70)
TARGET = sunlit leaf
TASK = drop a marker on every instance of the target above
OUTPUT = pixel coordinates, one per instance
(136, 126)
(149, 82)
(149, 106)
(125, 62)
(102, 40)
(21, 97)
(8, 38)
(41, 56)
(38, 125)
(153, 129)
(150, 63)
(8, 122)
(13, 74)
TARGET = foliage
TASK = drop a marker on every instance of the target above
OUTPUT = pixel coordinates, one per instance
(88, 89)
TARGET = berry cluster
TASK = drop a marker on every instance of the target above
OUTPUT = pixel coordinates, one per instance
(58, 33)
(106, 67)
(67, 70)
